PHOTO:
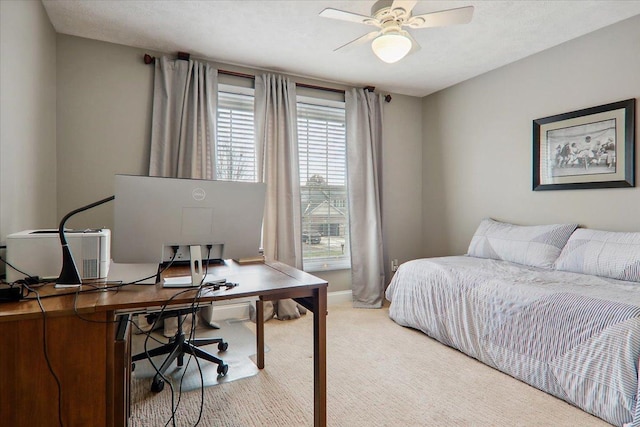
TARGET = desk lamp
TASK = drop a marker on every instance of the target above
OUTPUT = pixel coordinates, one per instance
(69, 276)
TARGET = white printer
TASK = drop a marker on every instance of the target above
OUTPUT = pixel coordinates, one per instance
(38, 253)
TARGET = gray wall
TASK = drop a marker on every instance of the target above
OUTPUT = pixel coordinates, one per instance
(478, 140)
(27, 118)
(402, 180)
(104, 111)
(104, 123)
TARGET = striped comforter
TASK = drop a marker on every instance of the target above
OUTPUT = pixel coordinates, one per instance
(574, 336)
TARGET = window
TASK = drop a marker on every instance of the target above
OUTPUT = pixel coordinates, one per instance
(236, 150)
(323, 184)
(323, 180)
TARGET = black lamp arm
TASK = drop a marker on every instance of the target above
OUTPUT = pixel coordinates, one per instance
(63, 239)
(69, 275)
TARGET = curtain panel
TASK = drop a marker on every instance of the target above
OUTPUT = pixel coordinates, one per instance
(276, 133)
(278, 167)
(183, 121)
(364, 178)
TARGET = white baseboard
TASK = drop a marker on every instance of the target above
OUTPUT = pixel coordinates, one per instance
(236, 309)
(242, 309)
(339, 297)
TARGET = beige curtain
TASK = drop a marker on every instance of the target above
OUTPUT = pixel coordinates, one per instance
(183, 131)
(276, 134)
(364, 177)
(183, 122)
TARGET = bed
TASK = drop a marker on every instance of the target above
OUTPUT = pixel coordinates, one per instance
(575, 336)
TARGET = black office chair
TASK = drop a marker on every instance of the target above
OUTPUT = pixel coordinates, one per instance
(178, 346)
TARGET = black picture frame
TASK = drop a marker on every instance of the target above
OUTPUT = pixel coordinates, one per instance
(589, 148)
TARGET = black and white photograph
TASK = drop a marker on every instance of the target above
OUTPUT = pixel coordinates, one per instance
(582, 150)
(591, 148)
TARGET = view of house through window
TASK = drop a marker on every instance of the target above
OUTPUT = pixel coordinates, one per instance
(323, 180)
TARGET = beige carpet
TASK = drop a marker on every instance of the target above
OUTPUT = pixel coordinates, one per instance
(242, 345)
(379, 374)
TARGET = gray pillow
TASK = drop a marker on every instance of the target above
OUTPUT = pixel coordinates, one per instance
(533, 245)
(602, 253)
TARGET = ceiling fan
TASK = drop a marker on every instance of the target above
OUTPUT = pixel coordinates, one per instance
(391, 43)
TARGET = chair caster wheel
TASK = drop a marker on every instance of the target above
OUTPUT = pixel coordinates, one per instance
(223, 346)
(157, 385)
(223, 369)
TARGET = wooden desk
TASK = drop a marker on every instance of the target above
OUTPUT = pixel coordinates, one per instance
(87, 357)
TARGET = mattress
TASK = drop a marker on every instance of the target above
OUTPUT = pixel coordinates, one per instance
(574, 336)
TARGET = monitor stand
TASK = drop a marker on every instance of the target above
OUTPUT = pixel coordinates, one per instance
(197, 274)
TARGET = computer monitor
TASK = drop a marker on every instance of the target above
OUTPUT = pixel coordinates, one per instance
(154, 215)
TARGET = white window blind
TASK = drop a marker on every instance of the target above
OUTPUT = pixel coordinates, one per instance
(323, 184)
(236, 150)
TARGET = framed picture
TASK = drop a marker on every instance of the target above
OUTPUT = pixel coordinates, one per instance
(590, 148)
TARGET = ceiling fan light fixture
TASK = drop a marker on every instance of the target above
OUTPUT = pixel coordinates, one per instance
(391, 47)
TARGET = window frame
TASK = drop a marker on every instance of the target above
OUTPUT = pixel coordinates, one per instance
(243, 91)
(328, 263)
(309, 264)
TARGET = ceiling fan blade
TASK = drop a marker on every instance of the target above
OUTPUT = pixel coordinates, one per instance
(357, 42)
(443, 18)
(407, 5)
(348, 16)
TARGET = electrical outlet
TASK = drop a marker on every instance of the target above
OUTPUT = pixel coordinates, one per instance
(394, 265)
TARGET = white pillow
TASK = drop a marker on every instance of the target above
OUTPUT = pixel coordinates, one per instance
(602, 253)
(533, 245)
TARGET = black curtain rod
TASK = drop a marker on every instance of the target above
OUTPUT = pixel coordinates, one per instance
(148, 59)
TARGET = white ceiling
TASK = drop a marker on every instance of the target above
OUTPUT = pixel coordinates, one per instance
(290, 37)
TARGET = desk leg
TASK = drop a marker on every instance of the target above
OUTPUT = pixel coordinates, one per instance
(260, 333)
(320, 357)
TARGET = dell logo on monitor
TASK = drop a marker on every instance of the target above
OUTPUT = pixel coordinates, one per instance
(198, 194)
